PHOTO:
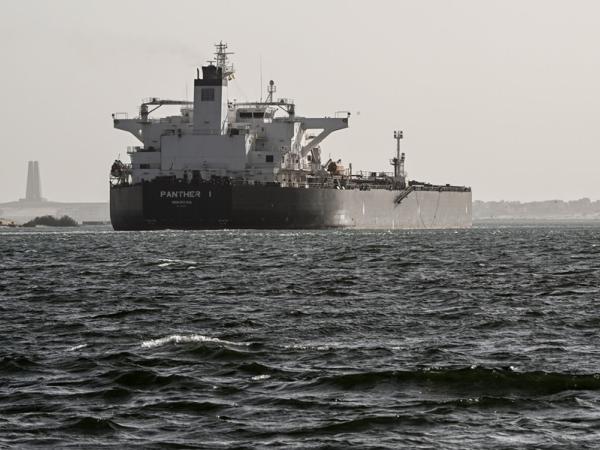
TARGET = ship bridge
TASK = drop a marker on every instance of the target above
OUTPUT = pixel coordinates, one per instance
(252, 140)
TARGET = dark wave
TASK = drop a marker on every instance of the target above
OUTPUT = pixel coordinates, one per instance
(114, 394)
(92, 426)
(185, 406)
(256, 368)
(210, 352)
(17, 364)
(125, 313)
(144, 379)
(363, 424)
(469, 379)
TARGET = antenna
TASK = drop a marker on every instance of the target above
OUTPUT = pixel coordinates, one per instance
(261, 85)
(271, 90)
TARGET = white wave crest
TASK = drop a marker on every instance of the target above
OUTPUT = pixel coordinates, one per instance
(261, 377)
(183, 339)
(77, 347)
(164, 262)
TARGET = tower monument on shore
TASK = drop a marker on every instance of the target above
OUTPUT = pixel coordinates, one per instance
(33, 191)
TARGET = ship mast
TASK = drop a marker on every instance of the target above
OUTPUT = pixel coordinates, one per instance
(398, 161)
(221, 60)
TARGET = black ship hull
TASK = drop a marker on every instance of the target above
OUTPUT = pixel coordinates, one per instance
(168, 205)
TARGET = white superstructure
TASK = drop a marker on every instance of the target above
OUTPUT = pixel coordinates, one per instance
(256, 142)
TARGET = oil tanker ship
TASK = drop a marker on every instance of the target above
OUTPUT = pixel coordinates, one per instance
(224, 164)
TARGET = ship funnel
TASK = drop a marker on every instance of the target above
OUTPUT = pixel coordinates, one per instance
(210, 94)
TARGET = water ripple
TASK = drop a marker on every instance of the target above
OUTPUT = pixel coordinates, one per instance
(481, 338)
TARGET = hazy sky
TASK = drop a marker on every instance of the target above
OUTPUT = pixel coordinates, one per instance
(503, 96)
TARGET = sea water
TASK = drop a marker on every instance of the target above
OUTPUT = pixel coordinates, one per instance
(479, 338)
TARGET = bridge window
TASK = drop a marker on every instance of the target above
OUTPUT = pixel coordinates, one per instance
(259, 115)
(207, 94)
(269, 158)
(245, 115)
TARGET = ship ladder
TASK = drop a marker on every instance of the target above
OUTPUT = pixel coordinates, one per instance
(403, 194)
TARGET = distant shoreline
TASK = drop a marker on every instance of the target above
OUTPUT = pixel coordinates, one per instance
(533, 220)
(548, 210)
